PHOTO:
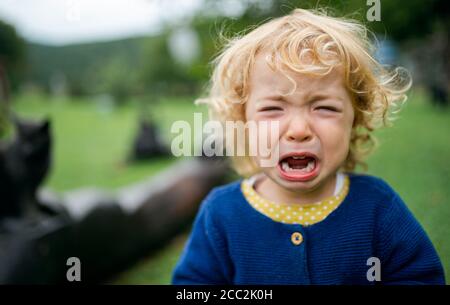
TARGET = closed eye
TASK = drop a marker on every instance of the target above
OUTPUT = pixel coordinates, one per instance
(271, 108)
(328, 108)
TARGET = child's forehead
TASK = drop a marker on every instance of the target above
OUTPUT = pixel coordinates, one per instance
(264, 75)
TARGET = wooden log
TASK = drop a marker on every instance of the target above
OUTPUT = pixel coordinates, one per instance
(108, 231)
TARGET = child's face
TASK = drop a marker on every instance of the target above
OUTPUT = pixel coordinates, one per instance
(316, 119)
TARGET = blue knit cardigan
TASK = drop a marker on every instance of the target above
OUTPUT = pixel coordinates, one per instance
(232, 243)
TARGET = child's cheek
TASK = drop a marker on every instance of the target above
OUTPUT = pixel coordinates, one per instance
(335, 138)
(263, 139)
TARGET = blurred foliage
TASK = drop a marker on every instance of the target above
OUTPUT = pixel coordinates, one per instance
(12, 52)
(159, 69)
(144, 65)
(83, 65)
(113, 76)
(400, 20)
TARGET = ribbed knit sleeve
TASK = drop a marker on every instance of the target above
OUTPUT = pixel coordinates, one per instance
(407, 254)
(202, 260)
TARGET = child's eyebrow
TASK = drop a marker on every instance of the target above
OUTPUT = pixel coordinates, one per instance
(311, 98)
(321, 96)
(276, 97)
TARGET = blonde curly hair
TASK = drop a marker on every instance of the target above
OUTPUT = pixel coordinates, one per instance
(313, 43)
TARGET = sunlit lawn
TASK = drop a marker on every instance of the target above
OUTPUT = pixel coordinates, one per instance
(91, 144)
(92, 139)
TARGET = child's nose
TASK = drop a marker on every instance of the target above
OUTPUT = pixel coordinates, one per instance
(299, 129)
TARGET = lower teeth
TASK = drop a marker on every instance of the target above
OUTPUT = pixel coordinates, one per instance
(285, 166)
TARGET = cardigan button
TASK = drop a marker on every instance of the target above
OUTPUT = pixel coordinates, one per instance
(296, 238)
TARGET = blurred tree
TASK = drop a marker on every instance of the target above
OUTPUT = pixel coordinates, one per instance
(87, 61)
(115, 77)
(160, 73)
(422, 26)
(147, 64)
(400, 20)
(12, 49)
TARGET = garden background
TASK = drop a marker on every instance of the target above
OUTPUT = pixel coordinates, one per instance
(95, 93)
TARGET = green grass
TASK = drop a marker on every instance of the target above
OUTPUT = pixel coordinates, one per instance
(91, 146)
(156, 269)
(413, 158)
(92, 142)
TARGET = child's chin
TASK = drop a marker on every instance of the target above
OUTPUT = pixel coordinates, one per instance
(299, 184)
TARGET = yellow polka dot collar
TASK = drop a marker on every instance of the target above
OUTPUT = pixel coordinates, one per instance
(292, 213)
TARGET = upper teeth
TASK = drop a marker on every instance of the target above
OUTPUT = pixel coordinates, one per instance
(298, 157)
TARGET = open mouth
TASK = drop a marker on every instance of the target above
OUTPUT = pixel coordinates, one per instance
(299, 167)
